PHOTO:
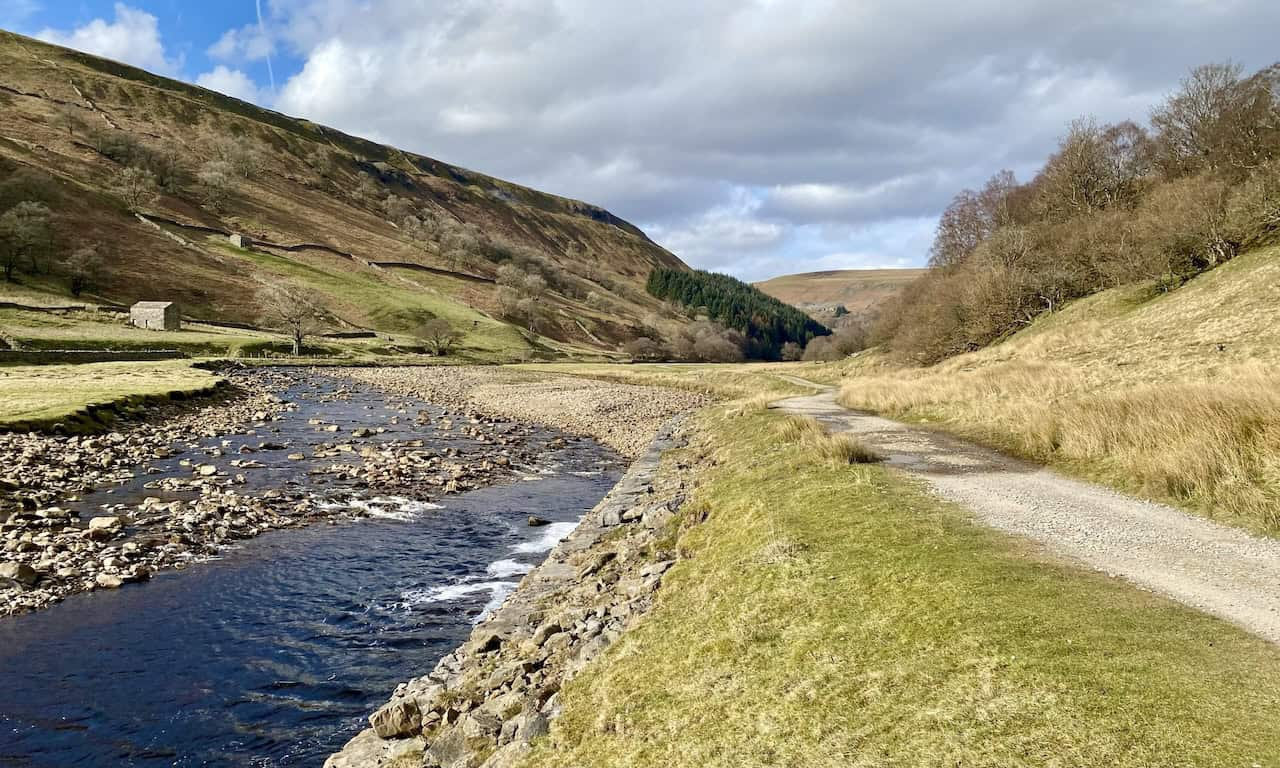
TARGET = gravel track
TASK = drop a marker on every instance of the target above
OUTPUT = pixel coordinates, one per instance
(1211, 567)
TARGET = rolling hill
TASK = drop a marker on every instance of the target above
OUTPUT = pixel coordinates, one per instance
(860, 291)
(155, 174)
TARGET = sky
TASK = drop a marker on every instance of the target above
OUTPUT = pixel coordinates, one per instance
(754, 137)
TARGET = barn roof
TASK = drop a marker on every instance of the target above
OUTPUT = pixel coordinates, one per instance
(153, 304)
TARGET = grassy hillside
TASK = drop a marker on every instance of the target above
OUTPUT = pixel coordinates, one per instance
(72, 125)
(861, 291)
(1171, 395)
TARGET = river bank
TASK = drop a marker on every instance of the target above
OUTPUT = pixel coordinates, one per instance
(623, 416)
(488, 700)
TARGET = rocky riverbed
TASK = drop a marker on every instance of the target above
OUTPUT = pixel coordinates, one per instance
(622, 416)
(97, 512)
(485, 703)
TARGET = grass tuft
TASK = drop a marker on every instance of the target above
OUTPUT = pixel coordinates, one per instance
(840, 449)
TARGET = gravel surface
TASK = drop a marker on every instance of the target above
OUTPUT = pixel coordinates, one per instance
(624, 417)
(1217, 569)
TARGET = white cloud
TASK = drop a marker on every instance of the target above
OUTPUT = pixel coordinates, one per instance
(14, 12)
(849, 123)
(248, 43)
(233, 82)
(132, 37)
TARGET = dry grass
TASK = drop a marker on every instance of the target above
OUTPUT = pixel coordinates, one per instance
(1174, 398)
(836, 616)
(839, 449)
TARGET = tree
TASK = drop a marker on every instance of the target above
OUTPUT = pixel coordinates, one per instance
(136, 186)
(26, 232)
(763, 323)
(68, 118)
(791, 351)
(1219, 121)
(644, 349)
(398, 209)
(440, 336)
(217, 182)
(241, 158)
(83, 269)
(289, 312)
(322, 162)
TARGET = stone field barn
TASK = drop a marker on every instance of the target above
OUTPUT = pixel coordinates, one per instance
(156, 315)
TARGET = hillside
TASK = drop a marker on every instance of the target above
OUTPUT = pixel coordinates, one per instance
(391, 239)
(861, 291)
(1171, 395)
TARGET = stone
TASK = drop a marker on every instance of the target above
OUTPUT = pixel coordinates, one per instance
(19, 572)
(449, 751)
(481, 725)
(657, 569)
(207, 470)
(547, 629)
(537, 522)
(104, 523)
(396, 720)
(109, 581)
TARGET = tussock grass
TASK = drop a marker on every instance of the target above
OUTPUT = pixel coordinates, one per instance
(828, 616)
(839, 449)
(1211, 445)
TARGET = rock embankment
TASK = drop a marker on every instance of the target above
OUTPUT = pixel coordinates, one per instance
(622, 416)
(487, 701)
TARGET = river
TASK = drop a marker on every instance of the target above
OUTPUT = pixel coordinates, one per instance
(274, 653)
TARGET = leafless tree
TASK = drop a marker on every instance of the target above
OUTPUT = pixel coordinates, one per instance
(26, 232)
(440, 336)
(217, 182)
(288, 311)
(240, 156)
(136, 186)
(84, 268)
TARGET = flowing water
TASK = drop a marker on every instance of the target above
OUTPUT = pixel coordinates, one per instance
(275, 653)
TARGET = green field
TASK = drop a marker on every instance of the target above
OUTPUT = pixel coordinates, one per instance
(46, 394)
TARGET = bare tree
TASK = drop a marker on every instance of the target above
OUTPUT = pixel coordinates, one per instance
(217, 182)
(242, 158)
(26, 232)
(289, 312)
(136, 186)
(84, 268)
(440, 336)
(322, 162)
(644, 349)
(68, 118)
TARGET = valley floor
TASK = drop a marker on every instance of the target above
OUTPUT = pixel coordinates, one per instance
(835, 615)
(826, 614)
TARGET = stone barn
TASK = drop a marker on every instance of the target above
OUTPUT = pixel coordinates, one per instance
(156, 316)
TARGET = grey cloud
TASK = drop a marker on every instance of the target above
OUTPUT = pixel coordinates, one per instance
(852, 113)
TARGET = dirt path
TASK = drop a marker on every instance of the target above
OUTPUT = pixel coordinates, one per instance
(1217, 569)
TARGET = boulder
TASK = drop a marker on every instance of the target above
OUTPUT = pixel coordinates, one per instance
(396, 720)
(538, 522)
(19, 572)
(109, 581)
